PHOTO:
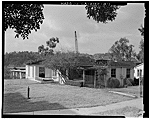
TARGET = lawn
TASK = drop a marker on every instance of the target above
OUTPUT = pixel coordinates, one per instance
(53, 96)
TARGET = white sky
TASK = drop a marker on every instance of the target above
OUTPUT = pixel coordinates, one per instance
(61, 21)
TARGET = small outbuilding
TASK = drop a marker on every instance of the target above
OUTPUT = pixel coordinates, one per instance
(17, 72)
(139, 70)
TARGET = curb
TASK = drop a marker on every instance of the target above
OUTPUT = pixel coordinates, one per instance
(125, 94)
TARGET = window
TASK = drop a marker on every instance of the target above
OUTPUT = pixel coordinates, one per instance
(54, 73)
(113, 73)
(138, 72)
(28, 70)
(128, 73)
(42, 72)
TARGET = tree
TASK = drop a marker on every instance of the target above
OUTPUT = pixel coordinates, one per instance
(51, 44)
(23, 18)
(141, 30)
(67, 61)
(102, 72)
(20, 58)
(121, 50)
(102, 12)
(141, 52)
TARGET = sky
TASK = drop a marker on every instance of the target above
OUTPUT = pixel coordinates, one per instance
(63, 20)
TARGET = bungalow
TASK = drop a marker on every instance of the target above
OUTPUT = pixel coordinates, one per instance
(119, 70)
(38, 72)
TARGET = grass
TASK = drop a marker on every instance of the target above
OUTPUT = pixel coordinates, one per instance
(53, 96)
(126, 111)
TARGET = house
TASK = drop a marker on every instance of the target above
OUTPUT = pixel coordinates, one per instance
(17, 72)
(139, 71)
(119, 70)
(38, 72)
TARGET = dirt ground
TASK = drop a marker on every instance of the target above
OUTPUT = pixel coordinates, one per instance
(53, 96)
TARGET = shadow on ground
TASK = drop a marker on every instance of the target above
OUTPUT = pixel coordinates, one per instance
(15, 102)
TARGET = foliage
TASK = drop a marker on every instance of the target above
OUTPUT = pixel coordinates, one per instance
(6, 73)
(23, 18)
(128, 81)
(74, 83)
(67, 61)
(121, 50)
(141, 30)
(102, 56)
(20, 58)
(51, 43)
(141, 52)
(101, 12)
(113, 83)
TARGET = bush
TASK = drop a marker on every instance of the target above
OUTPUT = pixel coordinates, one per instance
(7, 73)
(74, 83)
(113, 83)
(129, 82)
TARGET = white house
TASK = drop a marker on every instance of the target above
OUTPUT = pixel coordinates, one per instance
(119, 70)
(36, 71)
(139, 70)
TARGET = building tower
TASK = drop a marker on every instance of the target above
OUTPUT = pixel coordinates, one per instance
(76, 43)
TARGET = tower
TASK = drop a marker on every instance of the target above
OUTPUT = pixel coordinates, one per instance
(76, 43)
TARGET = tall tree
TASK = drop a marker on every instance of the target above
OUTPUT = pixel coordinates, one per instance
(102, 12)
(141, 52)
(23, 18)
(121, 50)
(51, 44)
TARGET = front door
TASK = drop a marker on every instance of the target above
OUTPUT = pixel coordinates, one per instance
(42, 72)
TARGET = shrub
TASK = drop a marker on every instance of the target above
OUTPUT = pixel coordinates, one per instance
(6, 73)
(129, 82)
(74, 83)
(113, 82)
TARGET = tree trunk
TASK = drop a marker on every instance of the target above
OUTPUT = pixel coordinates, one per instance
(105, 81)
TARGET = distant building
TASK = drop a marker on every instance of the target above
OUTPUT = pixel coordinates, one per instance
(139, 70)
(17, 72)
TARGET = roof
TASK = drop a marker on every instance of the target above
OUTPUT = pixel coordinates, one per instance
(21, 68)
(38, 62)
(125, 64)
(139, 65)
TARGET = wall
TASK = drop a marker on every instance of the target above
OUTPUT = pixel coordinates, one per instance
(48, 72)
(32, 72)
(138, 68)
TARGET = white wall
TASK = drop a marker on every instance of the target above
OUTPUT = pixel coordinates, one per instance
(119, 72)
(32, 72)
(138, 67)
(48, 72)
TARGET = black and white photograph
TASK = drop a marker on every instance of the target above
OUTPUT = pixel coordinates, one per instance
(76, 59)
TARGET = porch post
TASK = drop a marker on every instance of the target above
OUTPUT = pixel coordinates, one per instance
(95, 79)
(20, 75)
(13, 74)
(83, 77)
(67, 72)
(16, 75)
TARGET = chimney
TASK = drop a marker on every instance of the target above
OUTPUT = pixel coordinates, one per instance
(76, 43)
